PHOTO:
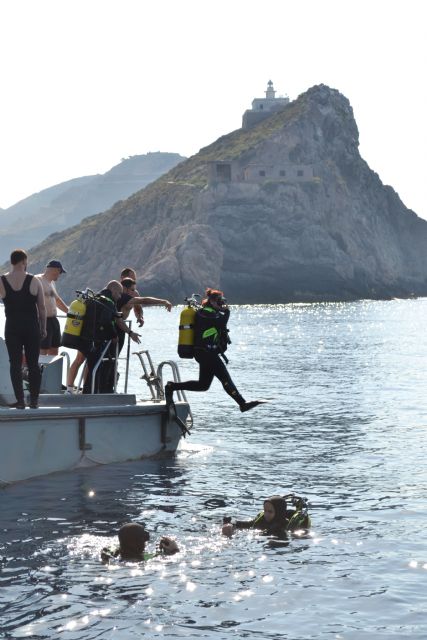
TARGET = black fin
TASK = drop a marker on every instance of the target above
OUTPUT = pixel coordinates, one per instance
(173, 417)
(251, 405)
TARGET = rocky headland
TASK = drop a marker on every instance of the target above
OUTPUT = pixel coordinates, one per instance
(284, 211)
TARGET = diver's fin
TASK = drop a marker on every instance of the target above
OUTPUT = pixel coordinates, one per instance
(182, 426)
(247, 406)
(174, 417)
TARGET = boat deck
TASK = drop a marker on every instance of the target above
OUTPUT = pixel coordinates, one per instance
(53, 406)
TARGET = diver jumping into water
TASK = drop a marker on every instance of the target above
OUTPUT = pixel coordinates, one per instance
(210, 342)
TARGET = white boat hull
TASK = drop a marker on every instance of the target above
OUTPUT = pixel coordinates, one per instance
(75, 433)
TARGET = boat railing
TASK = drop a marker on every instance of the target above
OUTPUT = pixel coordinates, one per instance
(176, 378)
(101, 359)
(98, 364)
(150, 376)
(154, 380)
(65, 355)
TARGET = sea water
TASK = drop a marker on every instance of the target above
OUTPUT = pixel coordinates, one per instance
(345, 427)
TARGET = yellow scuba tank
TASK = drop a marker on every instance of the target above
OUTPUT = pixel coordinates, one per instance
(186, 332)
(74, 324)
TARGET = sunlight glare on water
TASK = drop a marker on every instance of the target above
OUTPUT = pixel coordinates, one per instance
(345, 427)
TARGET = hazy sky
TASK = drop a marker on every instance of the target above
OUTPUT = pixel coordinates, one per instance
(85, 83)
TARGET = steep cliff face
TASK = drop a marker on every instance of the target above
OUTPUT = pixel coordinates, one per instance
(295, 215)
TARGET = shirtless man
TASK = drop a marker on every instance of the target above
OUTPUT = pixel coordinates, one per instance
(25, 311)
(49, 345)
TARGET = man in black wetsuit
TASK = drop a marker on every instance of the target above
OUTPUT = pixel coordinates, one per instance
(210, 342)
(25, 311)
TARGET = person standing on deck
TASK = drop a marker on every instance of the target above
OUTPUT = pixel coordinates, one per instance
(128, 272)
(25, 312)
(50, 344)
(101, 323)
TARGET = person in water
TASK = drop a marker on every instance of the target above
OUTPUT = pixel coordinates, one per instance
(275, 520)
(133, 538)
(210, 342)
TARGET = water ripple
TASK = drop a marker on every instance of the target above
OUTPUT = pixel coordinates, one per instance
(345, 427)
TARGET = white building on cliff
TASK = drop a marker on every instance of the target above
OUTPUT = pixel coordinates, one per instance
(263, 107)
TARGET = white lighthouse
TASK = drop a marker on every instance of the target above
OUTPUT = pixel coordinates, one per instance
(263, 107)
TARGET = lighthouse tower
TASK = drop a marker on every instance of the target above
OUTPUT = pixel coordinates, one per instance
(270, 94)
(263, 107)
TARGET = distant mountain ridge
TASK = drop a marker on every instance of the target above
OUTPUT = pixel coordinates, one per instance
(31, 220)
(284, 211)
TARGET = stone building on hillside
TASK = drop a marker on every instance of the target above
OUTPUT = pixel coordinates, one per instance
(263, 107)
(285, 172)
(220, 172)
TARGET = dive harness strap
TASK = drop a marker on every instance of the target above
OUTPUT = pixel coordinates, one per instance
(224, 357)
(215, 347)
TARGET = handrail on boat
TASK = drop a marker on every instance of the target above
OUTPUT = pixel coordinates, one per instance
(96, 367)
(65, 355)
(151, 378)
(176, 378)
(116, 361)
(154, 380)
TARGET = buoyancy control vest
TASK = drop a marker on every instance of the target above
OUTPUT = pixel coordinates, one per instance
(210, 332)
(295, 519)
(99, 324)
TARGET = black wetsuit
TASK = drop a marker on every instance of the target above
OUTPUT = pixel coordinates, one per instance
(99, 327)
(108, 367)
(210, 341)
(22, 331)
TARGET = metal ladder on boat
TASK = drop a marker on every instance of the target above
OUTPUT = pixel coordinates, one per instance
(154, 380)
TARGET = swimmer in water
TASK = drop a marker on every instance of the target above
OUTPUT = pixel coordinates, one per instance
(132, 541)
(276, 519)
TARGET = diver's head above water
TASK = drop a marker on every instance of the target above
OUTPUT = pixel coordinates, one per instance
(132, 538)
(274, 509)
